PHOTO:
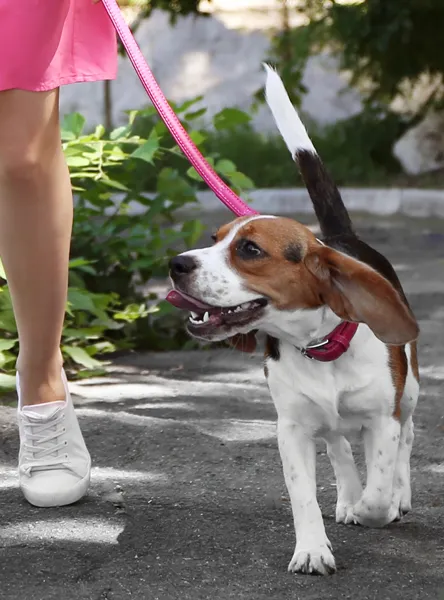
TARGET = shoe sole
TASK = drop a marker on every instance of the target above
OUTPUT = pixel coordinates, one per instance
(53, 501)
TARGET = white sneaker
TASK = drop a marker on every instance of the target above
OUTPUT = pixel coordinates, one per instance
(54, 463)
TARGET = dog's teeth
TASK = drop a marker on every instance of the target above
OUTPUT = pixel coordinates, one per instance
(206, 317)
(245, 305)
(194, 315)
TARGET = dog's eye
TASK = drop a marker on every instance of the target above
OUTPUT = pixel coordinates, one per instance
(247, 249)
(214, 237)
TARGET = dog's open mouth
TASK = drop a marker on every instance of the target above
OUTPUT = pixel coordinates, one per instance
(205, 319)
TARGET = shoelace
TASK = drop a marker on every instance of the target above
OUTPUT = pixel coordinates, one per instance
(40, 447)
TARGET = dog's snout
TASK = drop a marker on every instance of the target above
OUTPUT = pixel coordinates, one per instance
(182, 265)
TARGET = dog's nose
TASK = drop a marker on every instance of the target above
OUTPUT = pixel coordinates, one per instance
(182, 265)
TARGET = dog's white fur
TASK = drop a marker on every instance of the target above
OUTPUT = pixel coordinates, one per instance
(326, 400)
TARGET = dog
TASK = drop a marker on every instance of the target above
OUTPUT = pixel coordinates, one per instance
(340, 352)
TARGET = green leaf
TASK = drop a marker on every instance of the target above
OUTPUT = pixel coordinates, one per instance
(67, 136)
(79, 333)
(83, 175)
(77, 161)
(165, 308)
(72, 125)
(7, 344)
(226, 167)
(81, 300)
(83, 265)
(241, 181)
(7, 361)
(112, 183)
(81, 357)
(197, 137)
(229, 118)
(193, 230)
(77, 149)
(2, 271)
(115, 155)
(103, 347)
(193, 174)
(187, 104)
(132, 312)
(174, 187)
(148, 150)
(7, 382)
(87, 373)
(120, 132)
(99, 131)
(195, 114)
(132, 114)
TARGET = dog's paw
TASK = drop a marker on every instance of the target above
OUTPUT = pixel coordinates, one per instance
(394, 514)
(405, 505)
(344, 513)
(372, 512)
(316, 561)
(400, 507)
(405, 501)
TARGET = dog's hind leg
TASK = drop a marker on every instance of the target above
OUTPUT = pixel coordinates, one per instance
(402, 494)
(348, 484)
(381, 440)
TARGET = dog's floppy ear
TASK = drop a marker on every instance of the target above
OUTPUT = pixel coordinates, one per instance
(356, 292)
(245, 342)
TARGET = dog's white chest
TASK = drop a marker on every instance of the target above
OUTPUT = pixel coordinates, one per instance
(337, 396)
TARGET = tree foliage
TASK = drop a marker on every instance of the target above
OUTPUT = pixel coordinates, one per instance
(388, 46)
(176, 8)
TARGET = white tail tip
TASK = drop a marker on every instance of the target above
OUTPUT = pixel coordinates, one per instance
(287, 119)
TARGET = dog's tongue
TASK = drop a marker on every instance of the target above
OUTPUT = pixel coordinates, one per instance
(181, 300)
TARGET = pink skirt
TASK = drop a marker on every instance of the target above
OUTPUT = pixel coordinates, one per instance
(48, 43)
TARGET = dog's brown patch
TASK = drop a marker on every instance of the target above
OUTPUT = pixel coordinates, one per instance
(398, 368)
(414, 360)
(277, 275)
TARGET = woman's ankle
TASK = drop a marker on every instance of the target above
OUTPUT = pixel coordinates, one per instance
(40, 385)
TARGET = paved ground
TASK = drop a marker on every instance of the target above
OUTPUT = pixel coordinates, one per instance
(188, 500)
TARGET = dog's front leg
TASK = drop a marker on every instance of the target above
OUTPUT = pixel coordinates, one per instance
(347, 477)
(312, 554)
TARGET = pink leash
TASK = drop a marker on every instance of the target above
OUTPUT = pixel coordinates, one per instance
(338, 341)
(183, 140)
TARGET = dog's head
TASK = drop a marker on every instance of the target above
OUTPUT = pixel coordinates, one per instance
(268, 273)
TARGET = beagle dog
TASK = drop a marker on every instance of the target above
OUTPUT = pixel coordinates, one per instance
(340, 348)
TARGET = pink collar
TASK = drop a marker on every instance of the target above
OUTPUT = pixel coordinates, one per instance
(332, 346)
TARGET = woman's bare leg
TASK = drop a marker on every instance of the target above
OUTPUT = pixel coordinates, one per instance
(35, 230)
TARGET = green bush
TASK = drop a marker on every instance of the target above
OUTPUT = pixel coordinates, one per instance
(357, 151)
(115, 252)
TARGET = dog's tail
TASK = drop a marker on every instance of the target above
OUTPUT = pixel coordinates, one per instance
(327, 202)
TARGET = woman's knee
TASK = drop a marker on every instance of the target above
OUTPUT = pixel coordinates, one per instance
(29, 134)
(20, 162)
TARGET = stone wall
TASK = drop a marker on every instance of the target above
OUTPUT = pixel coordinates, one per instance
(219, 57)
